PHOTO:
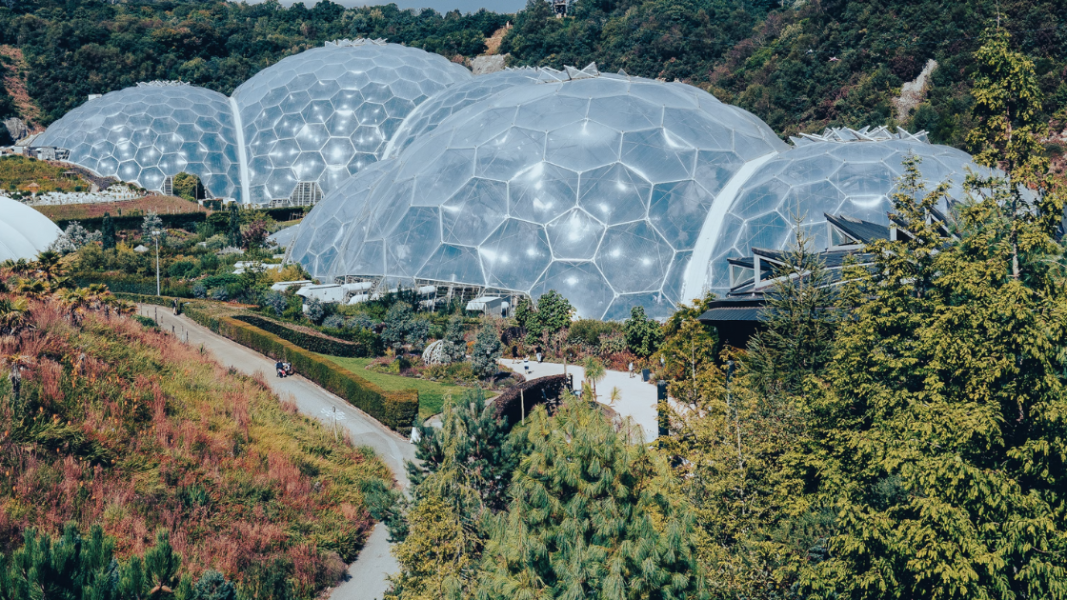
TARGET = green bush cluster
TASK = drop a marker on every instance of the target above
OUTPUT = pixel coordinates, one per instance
(143, 286)
(396, 410)
(367, 346)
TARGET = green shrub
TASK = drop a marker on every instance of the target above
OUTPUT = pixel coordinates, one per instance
(396, 410)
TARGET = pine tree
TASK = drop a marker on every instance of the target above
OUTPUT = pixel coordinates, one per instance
(455, 345)
(594, 514)
(461, 478)
(799, 323)
(107, 232)
(233, 229)
(486, 352)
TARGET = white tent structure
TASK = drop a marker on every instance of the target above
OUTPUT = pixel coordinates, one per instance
(24, 232)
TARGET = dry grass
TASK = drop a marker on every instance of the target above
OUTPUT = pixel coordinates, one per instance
(158, 204)
(127, 427)
(16, 87)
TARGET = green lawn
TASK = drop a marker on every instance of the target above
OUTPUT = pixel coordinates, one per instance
(431, 394)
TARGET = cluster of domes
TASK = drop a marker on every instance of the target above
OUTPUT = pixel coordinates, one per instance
(616, 191)
(290, 133)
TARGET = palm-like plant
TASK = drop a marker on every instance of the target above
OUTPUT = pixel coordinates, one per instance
(75, 301)
(33, 288)
(48, 266)
(13, 315)
(594, 371)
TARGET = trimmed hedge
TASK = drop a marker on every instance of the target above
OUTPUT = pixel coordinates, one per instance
(140, 286)
(126, 222)
(166, 301)
(396, 410)
(307, 341)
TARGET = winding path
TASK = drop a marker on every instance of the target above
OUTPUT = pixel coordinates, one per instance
(367, 577)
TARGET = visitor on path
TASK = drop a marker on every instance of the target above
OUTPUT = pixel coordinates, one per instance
(526, 365)
(538, 358)
(631, 369)
(280, 368)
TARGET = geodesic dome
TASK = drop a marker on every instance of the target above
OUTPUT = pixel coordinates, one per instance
(322, 115)
(597, 186)
(428, 115)
(24, 232)
(842, 171)
(145, 133)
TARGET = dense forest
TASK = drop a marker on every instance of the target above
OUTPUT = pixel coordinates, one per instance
(799, 65)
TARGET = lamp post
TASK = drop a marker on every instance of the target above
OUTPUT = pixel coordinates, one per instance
(155, 236)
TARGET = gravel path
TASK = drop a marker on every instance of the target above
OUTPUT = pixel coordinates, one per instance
(367, 576)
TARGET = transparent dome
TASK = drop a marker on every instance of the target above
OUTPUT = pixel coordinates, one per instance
(596, 186)
(429, 114)
(840, 172)
(322, 115)
(145, 133)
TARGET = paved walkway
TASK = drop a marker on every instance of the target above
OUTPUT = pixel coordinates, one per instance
(637, 399)
(367, 576)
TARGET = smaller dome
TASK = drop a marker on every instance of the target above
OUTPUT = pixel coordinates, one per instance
(24, 232)
(146, 133)
(841, 171)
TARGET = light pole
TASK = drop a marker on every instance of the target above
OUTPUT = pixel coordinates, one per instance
(155, 236)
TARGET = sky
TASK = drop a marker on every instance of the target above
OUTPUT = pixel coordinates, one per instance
(500, 6)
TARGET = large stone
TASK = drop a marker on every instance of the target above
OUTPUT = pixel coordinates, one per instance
(17, 128)
(913, 92)
(483, 65)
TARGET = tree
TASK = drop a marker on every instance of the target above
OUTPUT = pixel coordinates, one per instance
(461, 478)
(402, 327)
(107, 232)
(162, 564)
(188, 187)
(1008, 111)
(233, 227)
(455, 345)
(275, 301)
(486, 352)
(594, 372)
(594, 514)
(255, 234)
(946, 379)
(152, 227)
(799, 323)
(643, 335)
(313, 309)
(554, 312)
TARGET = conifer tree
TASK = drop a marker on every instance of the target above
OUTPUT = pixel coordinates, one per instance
(594, 514)
(233, 229)
(939, 438)
(455, 346)
(107, 232)
(487, 351)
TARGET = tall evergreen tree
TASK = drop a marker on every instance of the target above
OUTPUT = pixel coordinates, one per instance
(233, 228)
(107, 232)
(594, 514)
(940, 433)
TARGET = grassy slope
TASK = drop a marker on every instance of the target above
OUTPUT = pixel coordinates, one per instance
(431, 393)
(125, 427)
(157, 204)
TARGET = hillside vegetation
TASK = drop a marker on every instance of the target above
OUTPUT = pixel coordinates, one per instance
(106, 422)
(799, 65)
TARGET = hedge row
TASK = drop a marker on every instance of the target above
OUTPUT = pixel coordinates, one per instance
(396, 410)
(144, 287)
(167, 301)
(313, 343)
(125, 222)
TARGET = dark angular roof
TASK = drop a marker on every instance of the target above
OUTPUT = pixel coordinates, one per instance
(863, 231)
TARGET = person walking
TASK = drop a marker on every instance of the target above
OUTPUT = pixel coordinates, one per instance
(526, 365)
(631, 369)
(538, 358)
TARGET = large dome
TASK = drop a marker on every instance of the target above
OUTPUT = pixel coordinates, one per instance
(145, 133)
(597, 186)
(839, 172)
(431, 113)
(322, 115)
(24, 232)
